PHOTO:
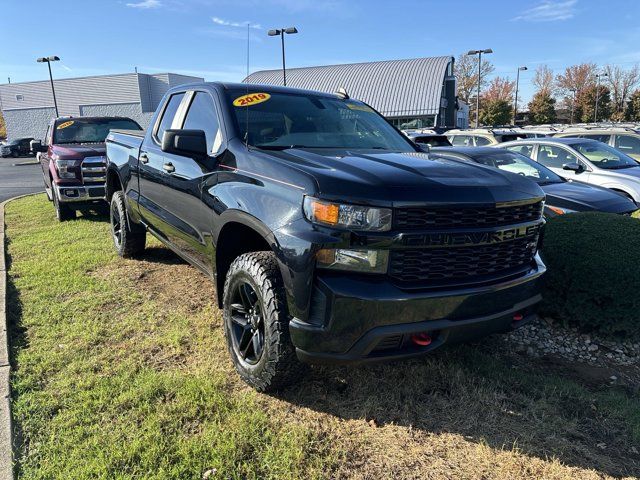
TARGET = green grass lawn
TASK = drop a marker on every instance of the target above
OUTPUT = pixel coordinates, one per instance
(120, 372)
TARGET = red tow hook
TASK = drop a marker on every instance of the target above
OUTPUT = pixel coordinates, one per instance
(423, 339)
(517, 317)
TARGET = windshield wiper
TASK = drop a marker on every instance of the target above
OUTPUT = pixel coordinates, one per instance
(279, 147)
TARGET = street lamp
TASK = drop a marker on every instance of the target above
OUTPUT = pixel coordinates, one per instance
(573, 103)
(598, 75)
(48, 60)
(515, 103)
(281, 32)
(479, 53)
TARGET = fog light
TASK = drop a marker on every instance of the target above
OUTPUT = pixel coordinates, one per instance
(370, 261)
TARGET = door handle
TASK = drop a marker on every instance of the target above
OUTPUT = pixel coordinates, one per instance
(144, 158)
(168, 167)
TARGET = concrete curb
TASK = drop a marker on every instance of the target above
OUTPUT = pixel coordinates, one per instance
(6, 427)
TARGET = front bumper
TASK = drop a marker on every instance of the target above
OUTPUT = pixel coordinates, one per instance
(80, 193)
(369, 319)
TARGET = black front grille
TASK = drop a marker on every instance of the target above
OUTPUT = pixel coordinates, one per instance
(442, 218)
(441, 266)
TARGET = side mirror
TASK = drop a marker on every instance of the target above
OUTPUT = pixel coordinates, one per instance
(187, 143)
(574, 167)
(36, 146)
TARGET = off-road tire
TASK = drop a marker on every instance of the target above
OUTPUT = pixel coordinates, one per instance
(278, 365)
(63, 212)
(129, 238)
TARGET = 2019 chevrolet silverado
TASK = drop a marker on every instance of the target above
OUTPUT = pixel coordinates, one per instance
(73, 161)
(331, 238)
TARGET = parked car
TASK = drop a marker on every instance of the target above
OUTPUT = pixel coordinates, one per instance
(329, 237)
(482, 137)
(624, 139)
(429, 139)
(585, 160)
(16, 147)
(563, 196)
(73, 161)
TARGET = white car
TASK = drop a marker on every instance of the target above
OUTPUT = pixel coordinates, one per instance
(584, 160)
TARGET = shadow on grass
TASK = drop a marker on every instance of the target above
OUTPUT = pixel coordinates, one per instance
(503, 401)
(18, 341)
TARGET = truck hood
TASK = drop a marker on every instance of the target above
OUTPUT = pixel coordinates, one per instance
(78, 151)
(407, 178)
(582, 197)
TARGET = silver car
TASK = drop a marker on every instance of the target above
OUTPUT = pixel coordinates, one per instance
(584, 160)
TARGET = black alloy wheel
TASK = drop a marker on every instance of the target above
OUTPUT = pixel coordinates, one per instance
(247, 324)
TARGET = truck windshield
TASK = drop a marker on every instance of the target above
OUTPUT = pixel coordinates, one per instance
(89, 130)
(286, 120)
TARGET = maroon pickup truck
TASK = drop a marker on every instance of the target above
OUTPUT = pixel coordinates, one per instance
(73, 161)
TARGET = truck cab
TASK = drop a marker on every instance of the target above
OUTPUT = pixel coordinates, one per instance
(73, 161)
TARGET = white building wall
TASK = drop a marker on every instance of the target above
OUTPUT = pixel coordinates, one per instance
(31, 122)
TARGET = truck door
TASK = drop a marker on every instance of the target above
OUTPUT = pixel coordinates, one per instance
(185, 219)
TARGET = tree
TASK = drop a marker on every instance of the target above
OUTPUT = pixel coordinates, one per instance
(586, 101)
(633, 107)
(466, 72)
(576, 77)
(499, 89)
(3, 127)
(543, 80)
(495, 112)
(542, 108)
(621, 83)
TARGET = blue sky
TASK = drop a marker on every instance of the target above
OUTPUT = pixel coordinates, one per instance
(208, 37)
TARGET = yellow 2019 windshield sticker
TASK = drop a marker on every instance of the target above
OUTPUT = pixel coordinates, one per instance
(65, 124)
(251, 99)
(358, 106)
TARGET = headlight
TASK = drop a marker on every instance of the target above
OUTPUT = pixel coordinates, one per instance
(354, 217)
(63, 167)
(560, 211)
(367, 261)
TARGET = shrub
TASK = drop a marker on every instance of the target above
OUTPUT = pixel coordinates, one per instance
(593, 278)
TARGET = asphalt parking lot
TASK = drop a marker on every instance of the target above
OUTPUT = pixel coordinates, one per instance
(19, 176)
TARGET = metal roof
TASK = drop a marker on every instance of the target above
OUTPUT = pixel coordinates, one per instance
(395, 88)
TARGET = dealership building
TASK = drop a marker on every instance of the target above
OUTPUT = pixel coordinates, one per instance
(413, 93)
(28, 107)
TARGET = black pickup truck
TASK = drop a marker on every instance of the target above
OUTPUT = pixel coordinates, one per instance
(330, 236)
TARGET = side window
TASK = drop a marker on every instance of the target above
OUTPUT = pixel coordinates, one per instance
(461, 141)
(595, 136)
(47, 136)
(554, 157)
(526, 150)
(482, 141)
(628, 144)
(168, 115)
(202, 116)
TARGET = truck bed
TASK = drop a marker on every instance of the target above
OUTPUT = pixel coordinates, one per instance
(123, 145)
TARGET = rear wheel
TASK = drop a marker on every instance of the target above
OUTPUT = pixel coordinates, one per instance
(256, 323)
(63, 212)
(128, 238)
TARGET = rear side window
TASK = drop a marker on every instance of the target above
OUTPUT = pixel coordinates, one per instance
(202, 116)
(169, 114)
(462, 141)
(628, 144)
(598, 137)
(482, 141)
(526, 150)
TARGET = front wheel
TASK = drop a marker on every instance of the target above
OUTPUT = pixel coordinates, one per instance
(128, 238)
(256, 323)
(63, 212)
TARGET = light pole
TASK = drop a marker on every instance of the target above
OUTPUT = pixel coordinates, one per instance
(281, 32)
(48, 60)
(515, 103)
(479, 53)
(573, 104)
(598, 75)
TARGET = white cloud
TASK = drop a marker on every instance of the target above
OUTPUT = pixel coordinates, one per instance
(145, 4)
(228, 23)
(549, 11)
